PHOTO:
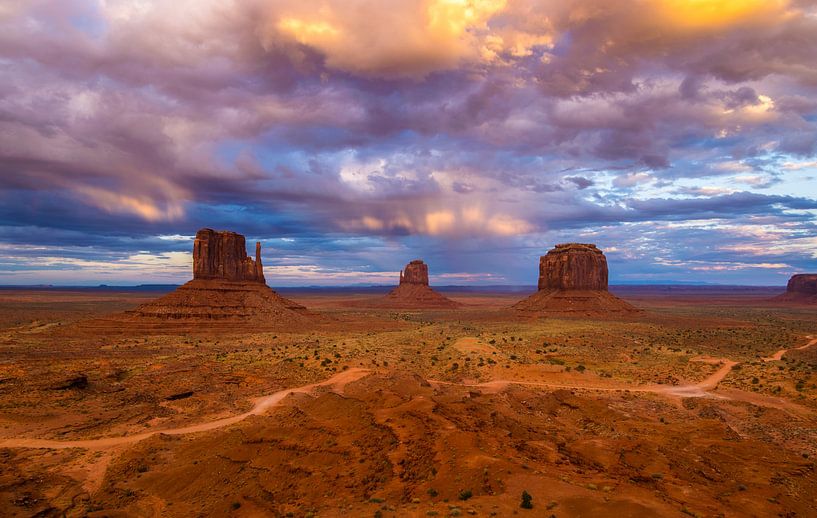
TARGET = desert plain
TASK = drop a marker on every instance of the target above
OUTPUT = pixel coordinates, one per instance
(703, 403)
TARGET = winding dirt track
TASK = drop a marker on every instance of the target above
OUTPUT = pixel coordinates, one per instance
(261, 405)
(338, 381)
(779, 354)
(700, 389)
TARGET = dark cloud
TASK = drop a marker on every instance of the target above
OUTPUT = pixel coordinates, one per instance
(359, 137)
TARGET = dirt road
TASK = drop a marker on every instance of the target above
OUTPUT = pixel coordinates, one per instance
(779, 354)
(700, 389)
(261, 405)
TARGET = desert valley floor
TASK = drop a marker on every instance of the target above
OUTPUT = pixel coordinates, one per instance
(703, 404)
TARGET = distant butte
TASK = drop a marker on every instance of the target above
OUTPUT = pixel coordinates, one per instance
(802, 288)
(573, 279)
(414, 291)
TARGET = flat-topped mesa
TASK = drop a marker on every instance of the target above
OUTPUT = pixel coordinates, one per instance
(573, 266)
(573, 280)
(803, 284)
(223, 255)
(416, 272)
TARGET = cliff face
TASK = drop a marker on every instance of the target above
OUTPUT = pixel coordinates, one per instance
(803, 284)
(573, 266)
(416, 272)
(223, 255)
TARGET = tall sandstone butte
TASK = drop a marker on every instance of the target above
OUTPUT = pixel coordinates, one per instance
(573, 266)
(223, 255)
(228, 292)
(416, 272)
(573, 279)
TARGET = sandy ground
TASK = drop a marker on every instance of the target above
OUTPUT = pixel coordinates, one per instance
(699, 409)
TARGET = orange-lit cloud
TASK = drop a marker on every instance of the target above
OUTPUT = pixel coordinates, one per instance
(445, 222)
(412, 37)
(711, 14)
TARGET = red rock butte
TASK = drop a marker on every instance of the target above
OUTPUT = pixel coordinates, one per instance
(416, 272)
(573, 279)
(802, 288)
(413, 290)
(223, 255)
(228, 288)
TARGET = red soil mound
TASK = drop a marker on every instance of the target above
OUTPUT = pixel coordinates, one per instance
(574, 301)
(416, 296)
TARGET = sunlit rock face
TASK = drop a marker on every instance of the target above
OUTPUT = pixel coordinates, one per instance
(803, 284)
(416, 272)
(223, 255)
(573, 266)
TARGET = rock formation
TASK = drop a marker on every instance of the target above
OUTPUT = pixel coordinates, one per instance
(801, 288)
(223, 255)
(228, 289)
(573, 266)
(414, 291)
(416, 273)
(573, 279)
(803, 284)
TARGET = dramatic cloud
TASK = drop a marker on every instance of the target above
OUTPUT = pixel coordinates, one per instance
(681, 135)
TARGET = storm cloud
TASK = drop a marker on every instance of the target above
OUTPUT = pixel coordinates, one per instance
(353, 136)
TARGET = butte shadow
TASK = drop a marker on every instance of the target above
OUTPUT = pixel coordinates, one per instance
(228, 292)
(573, 280)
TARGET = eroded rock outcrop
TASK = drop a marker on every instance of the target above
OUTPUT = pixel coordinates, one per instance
(573, 266)
(223, 255)
(228, 289)
(573, 279)
(416, 272)
(801, 288)
(803, 283)
(414, 291)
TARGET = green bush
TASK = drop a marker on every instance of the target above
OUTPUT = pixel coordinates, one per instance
(527, 501)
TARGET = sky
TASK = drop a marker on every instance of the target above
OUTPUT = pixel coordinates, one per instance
(353, 136)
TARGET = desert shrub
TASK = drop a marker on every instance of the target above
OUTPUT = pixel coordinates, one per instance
(465, 494)
(527, 501)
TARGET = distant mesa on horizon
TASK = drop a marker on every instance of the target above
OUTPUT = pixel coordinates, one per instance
(801, 289)
(573, 278)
